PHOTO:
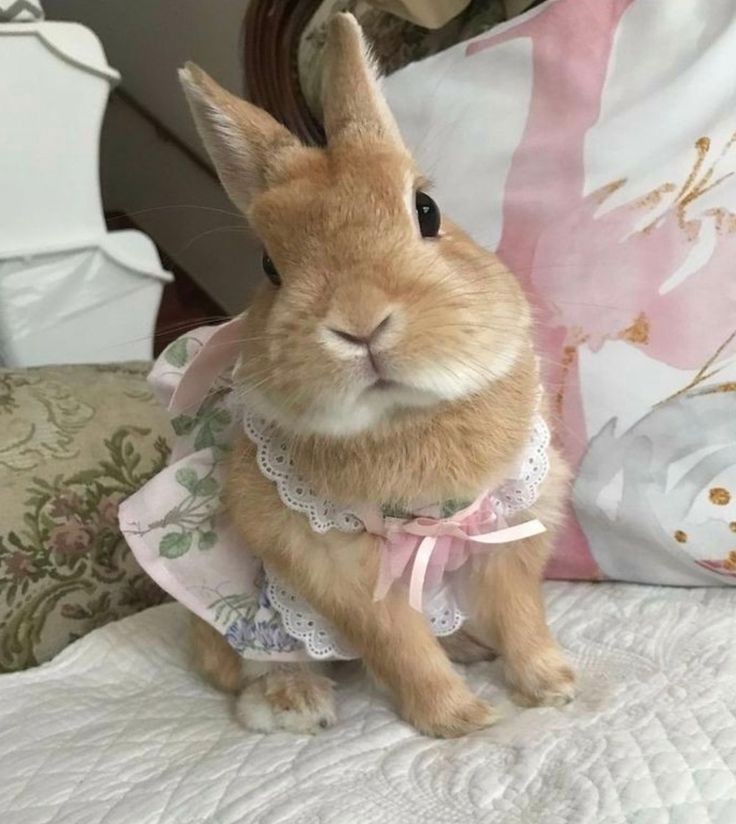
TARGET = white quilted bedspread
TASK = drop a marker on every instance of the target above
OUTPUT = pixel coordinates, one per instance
(117, 729)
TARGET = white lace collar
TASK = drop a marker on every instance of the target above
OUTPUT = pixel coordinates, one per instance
(275, 461)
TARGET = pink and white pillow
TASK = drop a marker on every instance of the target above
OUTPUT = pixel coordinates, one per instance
(593, 144)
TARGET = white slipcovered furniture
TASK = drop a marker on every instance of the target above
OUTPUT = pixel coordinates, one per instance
(70, 291)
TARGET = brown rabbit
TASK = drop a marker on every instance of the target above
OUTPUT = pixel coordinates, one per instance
(396, 355)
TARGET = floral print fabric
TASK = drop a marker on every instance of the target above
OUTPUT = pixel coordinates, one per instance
(74, 442)
(176, 525)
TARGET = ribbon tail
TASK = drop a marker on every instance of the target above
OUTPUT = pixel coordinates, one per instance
(384, 580)
(419, 571)
(509, 534)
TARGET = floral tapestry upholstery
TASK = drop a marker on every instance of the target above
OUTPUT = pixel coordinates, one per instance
(74, 442)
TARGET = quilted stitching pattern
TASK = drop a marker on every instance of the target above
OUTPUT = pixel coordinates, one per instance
(118, 730)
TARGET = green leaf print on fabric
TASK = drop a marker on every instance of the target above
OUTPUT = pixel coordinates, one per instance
(207, 486)
(207, 540)
(176, 354)
(187, 478)
(395, 509)
(190, 523)
(446, 509)
(453, 506)
(183, 424)
(210, 424)
(175, 544)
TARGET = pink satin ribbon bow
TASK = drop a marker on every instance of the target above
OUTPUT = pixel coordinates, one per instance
(439, 545)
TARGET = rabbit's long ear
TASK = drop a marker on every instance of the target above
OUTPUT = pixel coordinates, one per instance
(352, 103)
(245, 143)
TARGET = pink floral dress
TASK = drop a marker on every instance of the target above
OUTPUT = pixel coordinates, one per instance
(181, 535)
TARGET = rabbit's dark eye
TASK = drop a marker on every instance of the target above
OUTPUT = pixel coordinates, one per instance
(428, 214)
(271, 271)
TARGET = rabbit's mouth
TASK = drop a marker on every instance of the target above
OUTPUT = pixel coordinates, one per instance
(384, 384)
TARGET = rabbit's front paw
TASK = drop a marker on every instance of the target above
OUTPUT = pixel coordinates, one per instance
(452, 714)
(298, 703)
(542, 679)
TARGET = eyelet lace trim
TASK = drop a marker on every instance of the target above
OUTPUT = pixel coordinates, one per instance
(520, 493)
(303, 623)
(324, 643)
(276, 463)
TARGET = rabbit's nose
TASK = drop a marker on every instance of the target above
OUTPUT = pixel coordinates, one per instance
(362, 340)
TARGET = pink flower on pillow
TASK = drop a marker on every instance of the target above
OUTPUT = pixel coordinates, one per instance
(598, 274)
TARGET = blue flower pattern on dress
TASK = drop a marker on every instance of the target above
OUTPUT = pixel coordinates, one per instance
(262, 630)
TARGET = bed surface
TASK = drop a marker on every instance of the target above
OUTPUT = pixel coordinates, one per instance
(117, 729)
